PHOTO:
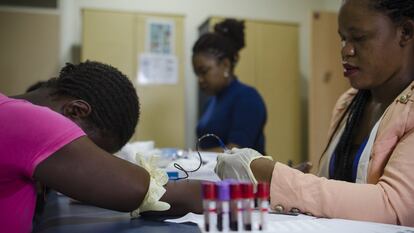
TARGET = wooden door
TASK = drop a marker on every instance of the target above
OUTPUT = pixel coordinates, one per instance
(29, 45)
(118, 38)
(277, 80)
(326, 83)
(163, 106)
(270, 63)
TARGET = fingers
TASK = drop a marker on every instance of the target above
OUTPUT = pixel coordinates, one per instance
(222, 156)
(254, 153)
(304, 167)
(218, 169)
(235, 150)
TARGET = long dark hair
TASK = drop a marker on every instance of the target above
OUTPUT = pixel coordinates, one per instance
(343, 157)
(397, 10)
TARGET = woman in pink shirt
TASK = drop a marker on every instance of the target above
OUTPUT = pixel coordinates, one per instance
(62, 134)
(365, 172)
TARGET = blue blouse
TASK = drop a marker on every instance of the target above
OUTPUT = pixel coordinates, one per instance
(237, 115)
(355, 162)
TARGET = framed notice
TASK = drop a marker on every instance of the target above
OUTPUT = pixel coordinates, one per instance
(160, 36)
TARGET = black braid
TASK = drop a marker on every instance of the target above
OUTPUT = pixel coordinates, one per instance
(112, 97)
(225, 42)
(397, 10)
(344, 158)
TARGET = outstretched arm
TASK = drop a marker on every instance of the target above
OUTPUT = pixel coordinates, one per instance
(85, 172)
(184, 196)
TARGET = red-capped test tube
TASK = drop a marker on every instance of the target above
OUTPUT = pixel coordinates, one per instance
(247, 205)
(263, 191)
(236, 222)
(209, 206)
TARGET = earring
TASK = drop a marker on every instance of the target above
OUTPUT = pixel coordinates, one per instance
(226, 74)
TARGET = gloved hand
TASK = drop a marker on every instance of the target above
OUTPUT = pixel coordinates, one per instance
(158, 178)
(236, 164)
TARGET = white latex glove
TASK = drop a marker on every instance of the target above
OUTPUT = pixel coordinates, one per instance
(236, 164)
(156, 188)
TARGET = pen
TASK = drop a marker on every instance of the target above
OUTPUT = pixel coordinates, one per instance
(284, 213)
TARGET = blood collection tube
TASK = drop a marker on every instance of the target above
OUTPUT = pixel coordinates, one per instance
(209, 206)
(223, 198)
(247, 205)
(236, 222)
(262, 195)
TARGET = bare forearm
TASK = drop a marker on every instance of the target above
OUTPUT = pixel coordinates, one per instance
(262, 169)
(86, 173)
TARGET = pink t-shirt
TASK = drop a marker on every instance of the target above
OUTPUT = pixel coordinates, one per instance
(28, 135)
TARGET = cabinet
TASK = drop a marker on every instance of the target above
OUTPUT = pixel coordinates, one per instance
(29, 45)
(326, 83)
(270, 63)
(118, 38)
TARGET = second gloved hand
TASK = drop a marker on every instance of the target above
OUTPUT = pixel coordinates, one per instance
(158, 178)
(236, 164)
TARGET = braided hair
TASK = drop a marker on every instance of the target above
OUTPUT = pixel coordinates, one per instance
(225, 42)
(35, 86)
(343, 157)
(397, 10)
(112, 97)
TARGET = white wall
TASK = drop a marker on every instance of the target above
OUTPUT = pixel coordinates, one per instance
(195, 12)
(332, 5)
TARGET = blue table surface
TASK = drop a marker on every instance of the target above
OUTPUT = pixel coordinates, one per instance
(62, 216)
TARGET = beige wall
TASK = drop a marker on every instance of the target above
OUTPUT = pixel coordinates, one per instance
(29, 45)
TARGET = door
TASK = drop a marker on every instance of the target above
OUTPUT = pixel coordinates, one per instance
(327, 81)
(270, 63)
(29, 45)
(119, 38)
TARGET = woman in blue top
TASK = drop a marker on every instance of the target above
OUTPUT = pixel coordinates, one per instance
(235, 112)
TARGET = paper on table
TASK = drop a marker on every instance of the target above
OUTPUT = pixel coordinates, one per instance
(272, 218)
(190, 217)
(342, 225)
(303, 223)
(198, 218)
